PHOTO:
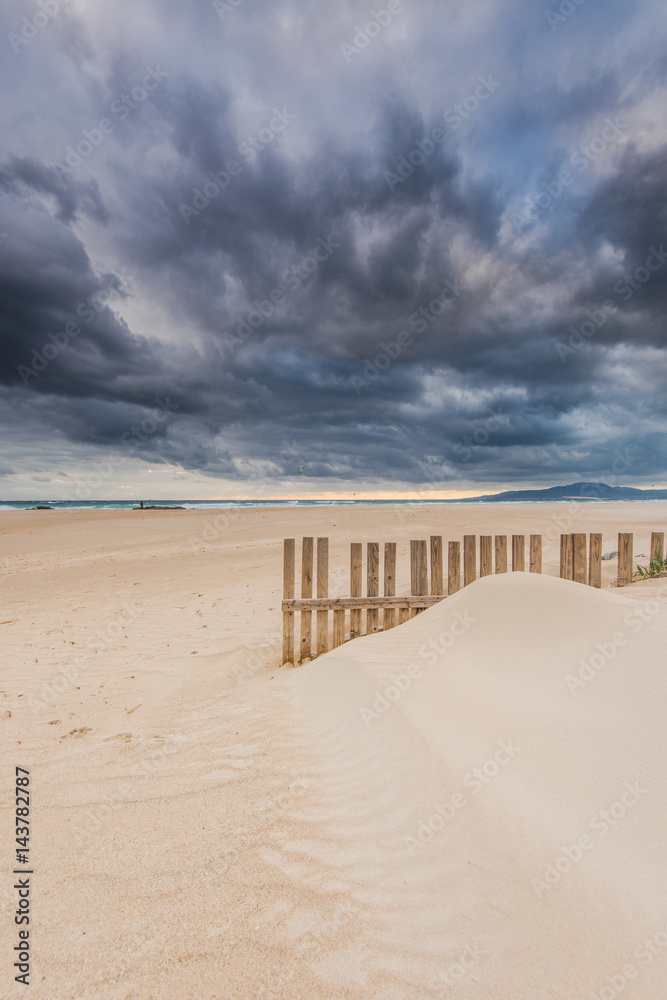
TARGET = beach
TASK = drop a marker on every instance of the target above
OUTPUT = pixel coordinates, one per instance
(471, 805)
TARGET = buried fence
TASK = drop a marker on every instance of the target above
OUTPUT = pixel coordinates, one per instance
(580, 561)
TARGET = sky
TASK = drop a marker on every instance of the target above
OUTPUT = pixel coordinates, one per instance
(296, 249)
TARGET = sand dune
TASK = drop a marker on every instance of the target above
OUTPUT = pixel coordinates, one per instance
(490, 827)
(471, 805)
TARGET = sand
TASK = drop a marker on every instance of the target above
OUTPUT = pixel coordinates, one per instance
(471, 805)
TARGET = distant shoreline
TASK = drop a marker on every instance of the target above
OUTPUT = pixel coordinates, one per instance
(582, 492)
(18, 505)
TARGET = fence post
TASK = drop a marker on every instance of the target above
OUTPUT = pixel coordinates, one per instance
(625, 560)
(288, 595)
(437, 578)
(501, 553)
(388, 615)
(355, 587)
(418, 571)
(595, 561)
(306, 591)
(469, 559)
(372, 583)
(535, 553)
(454, 568)
(657, 546)
(485, 555)
(579, 558)
(322, 591)
(403, 614)
(574, 565)
(518, 553)
(566, 557)
(338, 627)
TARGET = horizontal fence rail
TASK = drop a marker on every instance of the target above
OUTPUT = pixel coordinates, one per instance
(374, 604)
(430, 582)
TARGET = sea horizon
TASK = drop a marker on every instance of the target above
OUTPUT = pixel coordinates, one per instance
(230, 504)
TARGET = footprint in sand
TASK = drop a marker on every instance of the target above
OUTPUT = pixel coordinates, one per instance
(76, 733)
(121, 736)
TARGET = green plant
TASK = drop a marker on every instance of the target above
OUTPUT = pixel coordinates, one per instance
(657, 567)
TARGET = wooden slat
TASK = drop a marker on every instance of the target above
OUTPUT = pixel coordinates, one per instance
(563, 556)
(625, 560)
(289, 549)
(418, 570)
(485, 555)
(566, 557)
(535, 553)
(322, 591)
(306, 591)
(351, 603)
(657, 546)
(403, 615)
(579, 568)
(454, 568)
(389, 615)
(518, 553)
(469, 559)
(437, 578)
(372, 583)
(595, 561)
(501, 553)
(418, 567)
(338, 627)
(355, 587)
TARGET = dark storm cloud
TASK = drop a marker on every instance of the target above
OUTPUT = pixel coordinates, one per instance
(353, 264)
(71, 197)
(59, 334)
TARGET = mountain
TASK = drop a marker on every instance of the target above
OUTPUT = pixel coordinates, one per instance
(576, 491)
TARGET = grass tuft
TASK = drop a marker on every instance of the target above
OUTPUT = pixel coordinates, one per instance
(657, 567)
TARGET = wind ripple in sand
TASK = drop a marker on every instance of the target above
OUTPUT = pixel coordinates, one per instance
(345, 844)
(374, 906)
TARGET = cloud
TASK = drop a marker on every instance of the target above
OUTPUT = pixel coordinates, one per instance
(237, 313)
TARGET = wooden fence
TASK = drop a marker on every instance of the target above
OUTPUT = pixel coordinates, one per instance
(580, 560)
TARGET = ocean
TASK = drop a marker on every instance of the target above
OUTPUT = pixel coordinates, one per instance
(226, 504)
